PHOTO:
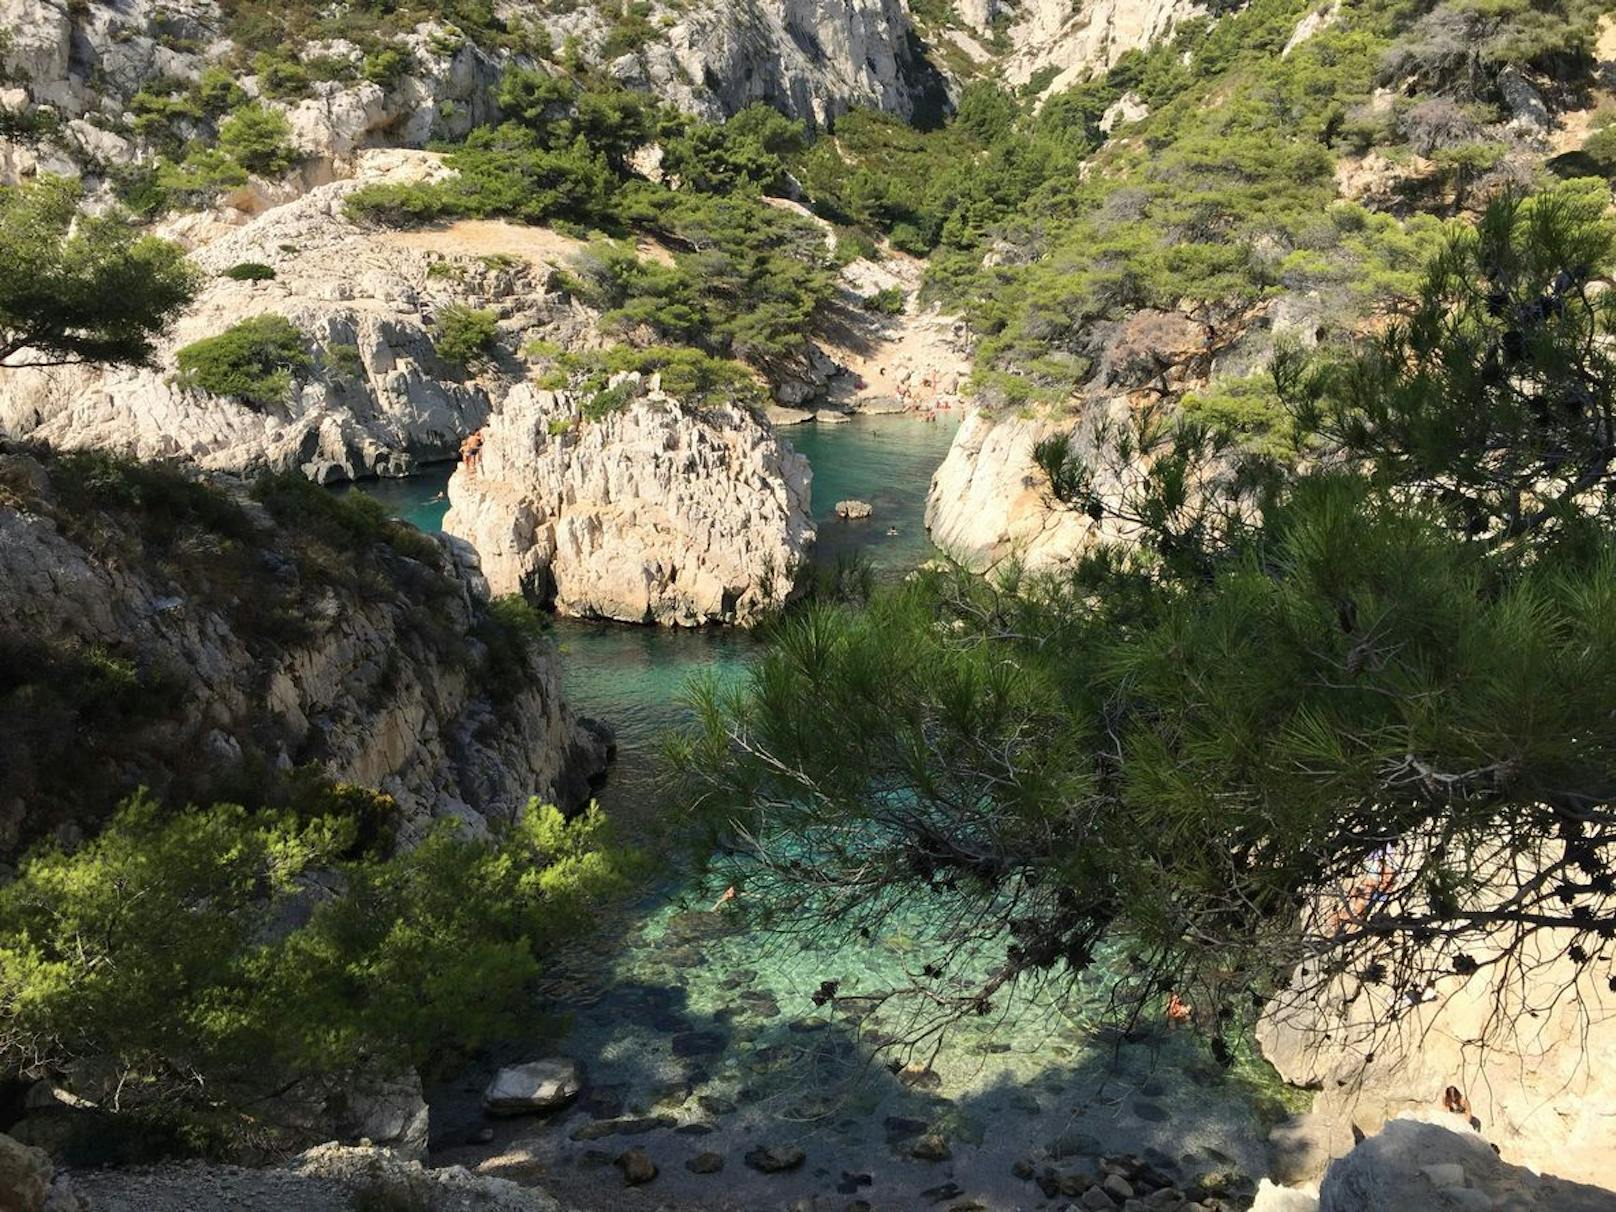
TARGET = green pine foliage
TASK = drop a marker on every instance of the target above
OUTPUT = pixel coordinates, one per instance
(254, 361)
(80, 288)
(1404, 639)
(145, 948)
(464, 335)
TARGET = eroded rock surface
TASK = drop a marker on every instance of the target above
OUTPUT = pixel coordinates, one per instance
(249, 644)
(378, 398)
(655, 513)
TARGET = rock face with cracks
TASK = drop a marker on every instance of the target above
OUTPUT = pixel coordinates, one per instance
(655, 513)
(257, 648)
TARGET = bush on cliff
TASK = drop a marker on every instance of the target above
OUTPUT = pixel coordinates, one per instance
(80, 288)
(464, 334)
(253, 361)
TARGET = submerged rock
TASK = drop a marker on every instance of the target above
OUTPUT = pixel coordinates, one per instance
(775, 1159)
(637, 1167)
(652, 513)
(541, 1085)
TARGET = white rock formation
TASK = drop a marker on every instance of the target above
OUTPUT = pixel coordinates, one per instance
(1440, 1165)
(1525, 1045)
(813, 59)
(990, 501)
(541, 1085)
(1088, 36)
(380, 399)
(654, 513)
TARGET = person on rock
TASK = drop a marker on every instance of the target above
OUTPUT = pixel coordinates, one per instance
(471, 448)
(1178, 1011)
(1454, 1100)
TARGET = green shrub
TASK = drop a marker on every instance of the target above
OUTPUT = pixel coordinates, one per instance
(258, 139)
(250, 271)
(281, 78)
(606, 401)
(146, 947)
(253, 361)
(343, 358)
(686, 374)
(463, 334)
(385, 66)
(888, 301)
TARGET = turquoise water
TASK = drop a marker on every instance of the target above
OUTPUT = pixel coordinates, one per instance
(633, 678)
(887, 461)
(701, 1030)
(420, 499)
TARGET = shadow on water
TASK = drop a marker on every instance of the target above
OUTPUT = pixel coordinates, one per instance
(701, 1033)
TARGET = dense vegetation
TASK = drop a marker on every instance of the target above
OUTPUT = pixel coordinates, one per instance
(1295, 670)
(77, 288)
(254, 361)
(141, 952)
(746, 279)
(195, 1015)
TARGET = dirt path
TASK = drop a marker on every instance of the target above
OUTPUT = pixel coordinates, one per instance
(498, 238)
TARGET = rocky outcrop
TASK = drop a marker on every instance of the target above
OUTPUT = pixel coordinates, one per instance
(1521, 1042)
(162, 634)
(1079, 39)
(812, 59)
(651, 512)
(991, 503)
(1417, 1161)
(29, 1182)
(378, 399)
(541, 1085)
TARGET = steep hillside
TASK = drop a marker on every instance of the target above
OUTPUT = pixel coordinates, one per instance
(253, 644)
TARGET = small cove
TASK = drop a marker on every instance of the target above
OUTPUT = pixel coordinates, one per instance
(700, 1031)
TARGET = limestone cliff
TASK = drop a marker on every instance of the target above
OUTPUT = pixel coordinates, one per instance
(1074, 40)
(378, 400)
(814, 59)
(81, 64)
(989, 501)
(1523, 1041)
(653, 512)
(208, 644)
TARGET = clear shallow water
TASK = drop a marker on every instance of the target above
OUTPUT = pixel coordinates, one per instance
(709, 1019)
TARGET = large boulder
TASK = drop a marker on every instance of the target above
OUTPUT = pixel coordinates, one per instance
(990, 502)
(1441, 1165)
(1522, 1042)
(654, 512)
(28, 1181)
(541, 1085)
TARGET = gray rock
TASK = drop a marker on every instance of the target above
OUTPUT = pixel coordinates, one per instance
(705, 1163)
(541, 1085)
(637, 1167)
(854, 509)
(775, 1159)
(1526, 106)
